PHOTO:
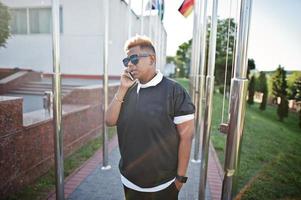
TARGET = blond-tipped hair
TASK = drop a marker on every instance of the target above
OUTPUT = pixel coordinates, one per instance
(143, 42)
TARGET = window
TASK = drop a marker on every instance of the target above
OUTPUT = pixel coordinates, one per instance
(40, 20)
(18, 23)
(32, 20)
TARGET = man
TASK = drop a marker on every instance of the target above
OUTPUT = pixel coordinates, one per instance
(155, 125)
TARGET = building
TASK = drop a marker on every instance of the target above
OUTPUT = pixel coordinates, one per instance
(81, 39)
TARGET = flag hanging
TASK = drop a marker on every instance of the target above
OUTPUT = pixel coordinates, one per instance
(186, 7)
(161, 8)
(156, 5)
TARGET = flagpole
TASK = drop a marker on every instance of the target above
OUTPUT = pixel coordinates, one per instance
(208, 102)
(195, 60)
(105, 164)
(158, 33)
(238, 92)
(129, 19)
(142, 18)
(150, 20)
(57, 102)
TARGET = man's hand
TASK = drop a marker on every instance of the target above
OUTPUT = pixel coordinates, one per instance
(125, 80)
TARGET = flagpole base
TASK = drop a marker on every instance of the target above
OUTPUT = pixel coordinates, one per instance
(195, 161)
(108, 167)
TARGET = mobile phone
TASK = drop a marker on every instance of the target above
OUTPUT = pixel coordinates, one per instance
(131, 76)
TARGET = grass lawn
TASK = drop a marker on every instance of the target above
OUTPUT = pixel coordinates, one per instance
(270, 163)
(42, 186)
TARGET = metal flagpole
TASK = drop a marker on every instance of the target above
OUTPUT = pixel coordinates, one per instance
(130, 19)
(195, 60)
(193, 48)
(142, 18)
(208, 102)
(57, 104)
(150, 20)
(105, 164)
(238, 94)
(200, 78)
(156, 27)
(158, 34)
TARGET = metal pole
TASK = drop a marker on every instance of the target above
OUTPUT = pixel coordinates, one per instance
(237, 106)
(208, 102)
(194, 48)
(57, 104)
(159, 44)
(142, 18)
(150, 20)
(130, 19)
(158, 36)
(200, 79)
(105, 164)
(195, 58)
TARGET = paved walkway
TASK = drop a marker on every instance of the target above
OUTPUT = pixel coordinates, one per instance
(90, 182)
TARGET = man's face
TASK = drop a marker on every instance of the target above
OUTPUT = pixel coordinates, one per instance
(146, 63)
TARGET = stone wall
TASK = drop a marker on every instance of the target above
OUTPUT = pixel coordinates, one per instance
(26, 142)
(15, 80)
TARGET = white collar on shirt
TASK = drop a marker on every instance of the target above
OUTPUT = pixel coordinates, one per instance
(155, 81)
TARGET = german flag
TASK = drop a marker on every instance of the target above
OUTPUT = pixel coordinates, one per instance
(186, 7)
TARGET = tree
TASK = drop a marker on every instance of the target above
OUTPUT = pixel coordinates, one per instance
(4, 24)
(276, 83)
(291, 83)
(263, 88)
(251, 89)
(297, 95)
(170, 59)
(279, 90)
(184, 52)
(221, 50)
(183, 57)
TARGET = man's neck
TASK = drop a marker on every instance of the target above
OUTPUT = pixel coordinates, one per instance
(148, 78)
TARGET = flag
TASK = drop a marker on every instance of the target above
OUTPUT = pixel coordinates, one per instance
(156, 5)
(186, 7)
(151, 5)
(161, 9)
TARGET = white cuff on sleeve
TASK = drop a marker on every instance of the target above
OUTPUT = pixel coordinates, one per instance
(183, 118)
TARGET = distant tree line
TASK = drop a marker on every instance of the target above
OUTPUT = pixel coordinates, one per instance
(282, 88)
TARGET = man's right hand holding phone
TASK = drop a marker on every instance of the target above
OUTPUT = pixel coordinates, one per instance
(126, 80)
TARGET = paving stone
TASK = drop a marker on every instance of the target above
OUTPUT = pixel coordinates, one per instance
(106, 184)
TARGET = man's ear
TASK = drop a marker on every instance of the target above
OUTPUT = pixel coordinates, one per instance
(152, 59)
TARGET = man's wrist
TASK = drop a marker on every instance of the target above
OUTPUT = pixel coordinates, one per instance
(181, 179)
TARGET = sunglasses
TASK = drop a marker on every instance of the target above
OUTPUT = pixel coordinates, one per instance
(134, 59)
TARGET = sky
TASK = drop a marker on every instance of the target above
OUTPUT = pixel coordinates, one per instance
(275, 31)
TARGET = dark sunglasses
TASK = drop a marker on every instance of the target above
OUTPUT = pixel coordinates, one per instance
(134, 59)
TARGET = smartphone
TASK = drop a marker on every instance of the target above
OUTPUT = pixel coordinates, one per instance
(131, 76)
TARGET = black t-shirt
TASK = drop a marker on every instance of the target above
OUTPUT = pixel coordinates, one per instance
(147, 136)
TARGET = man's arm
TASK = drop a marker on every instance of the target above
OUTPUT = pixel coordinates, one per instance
(186, 131)
(113, 111)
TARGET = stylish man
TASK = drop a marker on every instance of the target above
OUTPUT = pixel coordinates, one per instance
(155, 125)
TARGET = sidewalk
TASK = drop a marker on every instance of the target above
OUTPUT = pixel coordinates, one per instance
(90, 182)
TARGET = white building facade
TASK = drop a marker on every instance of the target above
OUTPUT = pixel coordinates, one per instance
(81, 39)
